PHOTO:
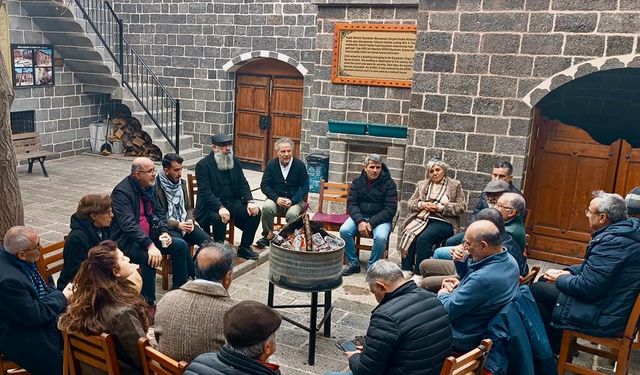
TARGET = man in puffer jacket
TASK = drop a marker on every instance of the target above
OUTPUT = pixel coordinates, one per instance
(595, 297)
(409, 332)
(372, 204)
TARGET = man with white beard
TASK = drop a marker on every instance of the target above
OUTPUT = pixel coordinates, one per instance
(223, 192)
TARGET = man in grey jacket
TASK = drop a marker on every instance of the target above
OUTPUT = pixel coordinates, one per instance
(189, 320)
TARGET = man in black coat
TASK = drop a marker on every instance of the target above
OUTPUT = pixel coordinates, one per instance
(285, 183)
(223, 192)
(595, 297)
(29, 309)
(139, 227)
(409, 332)
(372, 204)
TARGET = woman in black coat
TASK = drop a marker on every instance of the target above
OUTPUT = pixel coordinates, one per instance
(89, 226)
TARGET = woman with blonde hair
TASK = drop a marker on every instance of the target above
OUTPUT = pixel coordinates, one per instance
(89, 226)
(435, 208)
(105, 300)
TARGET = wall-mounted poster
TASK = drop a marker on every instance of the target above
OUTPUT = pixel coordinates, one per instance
(32, 65)
(373, 54)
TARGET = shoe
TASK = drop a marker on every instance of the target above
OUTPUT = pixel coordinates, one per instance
(407, 274)
(247, 253)
(417, 279)
(263, 242)
(350, 270)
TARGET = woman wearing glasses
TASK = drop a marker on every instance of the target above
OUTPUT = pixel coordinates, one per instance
(89, 226)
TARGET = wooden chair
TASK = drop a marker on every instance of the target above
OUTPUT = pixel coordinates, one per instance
(618, 348)
(332, 192)
(530, 277)
(156, 363)
(51, 260)
(95, 351)
(11, 368)
(468, 363)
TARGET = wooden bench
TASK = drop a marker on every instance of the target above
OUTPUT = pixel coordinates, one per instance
(28, 147)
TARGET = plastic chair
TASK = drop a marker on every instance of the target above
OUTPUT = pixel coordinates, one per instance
(469, 363)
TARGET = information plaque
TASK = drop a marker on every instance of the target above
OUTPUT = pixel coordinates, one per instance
(373, 54)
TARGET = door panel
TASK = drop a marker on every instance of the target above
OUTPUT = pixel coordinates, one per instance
(252, 101)
(286, 111)
(628, 170)
(568, 165)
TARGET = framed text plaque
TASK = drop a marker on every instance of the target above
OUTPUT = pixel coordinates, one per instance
(32, 65)
(373, 54)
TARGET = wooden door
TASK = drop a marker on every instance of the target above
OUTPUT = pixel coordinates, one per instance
(628, 175)
(268, 107)
(567, 166)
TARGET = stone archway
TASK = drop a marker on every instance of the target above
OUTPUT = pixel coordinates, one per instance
(238, 61)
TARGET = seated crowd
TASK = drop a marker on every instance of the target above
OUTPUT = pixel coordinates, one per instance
(452, 289)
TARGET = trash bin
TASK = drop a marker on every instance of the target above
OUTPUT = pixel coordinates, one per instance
(318, 169)
(98, 134)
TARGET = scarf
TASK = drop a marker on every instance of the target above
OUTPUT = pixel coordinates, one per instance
(146, 195)
(417, 225)
(175, 198)
(31, 271)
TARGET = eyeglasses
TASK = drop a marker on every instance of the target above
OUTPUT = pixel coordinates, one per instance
(107, 212)
(588, 213)
(224, 145)
(503, 206)
(151, 171)
(37, 248)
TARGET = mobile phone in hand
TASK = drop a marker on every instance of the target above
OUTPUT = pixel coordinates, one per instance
(346, 346)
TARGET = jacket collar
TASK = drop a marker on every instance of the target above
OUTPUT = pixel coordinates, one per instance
(205, 288)
(495, 258)
(401, 290)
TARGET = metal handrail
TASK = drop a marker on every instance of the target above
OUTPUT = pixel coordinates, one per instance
(144, 85)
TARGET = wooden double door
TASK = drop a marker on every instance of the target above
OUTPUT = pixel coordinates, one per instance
(268, 107)
(567, 165)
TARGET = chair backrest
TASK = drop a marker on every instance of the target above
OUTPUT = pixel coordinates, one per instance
(96, 351)
(25, 143)
(530, 277)
(192, 188)
(51, 260)
(631, 330)
(156, 363)
(333, 192)
(468, 363)
(10, 367)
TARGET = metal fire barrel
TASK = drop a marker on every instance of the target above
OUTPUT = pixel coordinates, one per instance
(305, 271)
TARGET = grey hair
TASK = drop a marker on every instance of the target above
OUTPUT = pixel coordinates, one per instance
(373, 158)
(383, 270)
(17, 239)
(516, 201)
(613, 205)
(254, 351)
(433, 162)
(219, 264)
(282, 141)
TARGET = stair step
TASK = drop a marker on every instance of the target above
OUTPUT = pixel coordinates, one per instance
(79, 53)
(82, 66)
(165, 147)
(191, 153)
(46, 9)
(70, 39)
(91, 88)
(97, 79)
(57, 24)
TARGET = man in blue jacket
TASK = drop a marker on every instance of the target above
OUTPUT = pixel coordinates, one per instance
(372, 204)
(487, 284)
(595, 297)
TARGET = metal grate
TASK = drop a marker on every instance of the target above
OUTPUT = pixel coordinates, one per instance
(23, 122)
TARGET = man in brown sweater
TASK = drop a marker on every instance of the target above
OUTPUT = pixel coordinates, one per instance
(189, 320)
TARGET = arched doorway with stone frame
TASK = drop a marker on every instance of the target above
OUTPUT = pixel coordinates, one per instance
(268, 104)
(585, 136)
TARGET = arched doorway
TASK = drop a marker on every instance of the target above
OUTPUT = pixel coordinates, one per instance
(269, 96)
(585, 137)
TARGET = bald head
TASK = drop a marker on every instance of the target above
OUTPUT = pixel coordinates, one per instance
(214, 262)
(482, 239)
(20, 239)
(143, 170)
(141, 164)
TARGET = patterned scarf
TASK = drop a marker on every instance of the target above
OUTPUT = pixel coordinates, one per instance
(31, 271)
(175, 198)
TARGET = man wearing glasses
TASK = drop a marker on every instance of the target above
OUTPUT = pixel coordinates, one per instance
(140, 227)
(595, 297)
(223, 193)
(29, 309)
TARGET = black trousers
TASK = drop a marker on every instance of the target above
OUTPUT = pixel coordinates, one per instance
(546, 295)
(196, 237)
(241, 219)
(421, 248)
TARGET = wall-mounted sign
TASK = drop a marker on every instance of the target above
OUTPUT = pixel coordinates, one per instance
(373, 54)
(32, 65)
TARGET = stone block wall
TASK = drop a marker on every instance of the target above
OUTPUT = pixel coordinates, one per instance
(477, 59)
(373, 104)
(187, 43)
(62, 112)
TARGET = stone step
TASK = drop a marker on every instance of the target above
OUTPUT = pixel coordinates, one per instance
(45, 8)
(186, 141)
(97, 79)
(114, 91)
(79, 53)
(70, 39)
(47, 24)
(191, 162)
(82, 66)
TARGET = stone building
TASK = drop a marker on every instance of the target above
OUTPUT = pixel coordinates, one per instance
(549, 85)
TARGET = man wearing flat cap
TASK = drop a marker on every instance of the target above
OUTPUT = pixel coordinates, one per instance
(223, 193)
(632, 200)
(250, 330)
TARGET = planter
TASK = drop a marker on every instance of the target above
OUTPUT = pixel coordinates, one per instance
(347, 127)
(381, 130)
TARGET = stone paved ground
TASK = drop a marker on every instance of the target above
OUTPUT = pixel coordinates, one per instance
(49, 202)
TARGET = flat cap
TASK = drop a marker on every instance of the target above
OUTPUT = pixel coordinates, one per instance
(249, 322)
(221, 139)
(496, 186)
(633, 201)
